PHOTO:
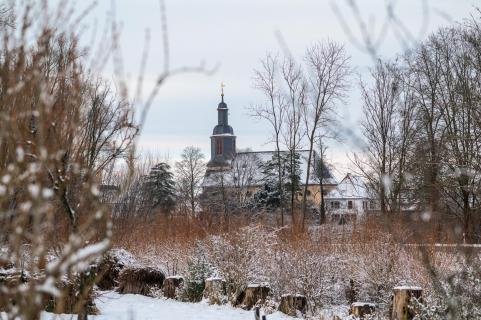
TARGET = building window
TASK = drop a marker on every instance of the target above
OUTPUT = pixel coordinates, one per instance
(349, 204)
(218, 146)
(364, 205)
(335, 204)
(308, 193)
(372, 205)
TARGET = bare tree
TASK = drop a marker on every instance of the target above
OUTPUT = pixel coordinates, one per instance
(109, 127)
(273, 111)
(327, 79)
(293, 130)
(388, 130)
(244, 175)
(189, 173)
(458, 107)
(425, 69)
(321, 172)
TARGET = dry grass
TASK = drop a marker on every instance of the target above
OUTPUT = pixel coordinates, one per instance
(331, 264)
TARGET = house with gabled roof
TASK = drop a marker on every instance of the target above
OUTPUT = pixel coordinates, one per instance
(349, 197)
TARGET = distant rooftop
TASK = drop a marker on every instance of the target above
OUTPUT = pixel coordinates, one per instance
(255, 159)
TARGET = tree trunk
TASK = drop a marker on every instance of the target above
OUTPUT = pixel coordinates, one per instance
(308, 173)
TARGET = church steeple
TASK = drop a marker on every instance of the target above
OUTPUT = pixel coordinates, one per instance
(223, 140)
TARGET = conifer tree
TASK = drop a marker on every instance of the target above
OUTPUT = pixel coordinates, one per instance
(159, 188)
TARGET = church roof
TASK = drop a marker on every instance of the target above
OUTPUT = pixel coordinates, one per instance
(250, 163)
(222, 129)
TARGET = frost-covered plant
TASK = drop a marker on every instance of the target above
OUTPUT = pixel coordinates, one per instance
(242, 257)
(198, 270)
(304, 267)
(458, 298)
(377, 267)
(59, 129)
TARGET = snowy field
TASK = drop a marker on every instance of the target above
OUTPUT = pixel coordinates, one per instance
(114, 306)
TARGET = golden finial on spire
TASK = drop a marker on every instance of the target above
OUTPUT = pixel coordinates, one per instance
(222, 85)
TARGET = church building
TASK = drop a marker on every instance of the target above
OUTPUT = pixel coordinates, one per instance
(240, 173)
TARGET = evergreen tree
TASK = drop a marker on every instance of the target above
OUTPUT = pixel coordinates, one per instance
(198, 270)
(270, 196)
(159, 188)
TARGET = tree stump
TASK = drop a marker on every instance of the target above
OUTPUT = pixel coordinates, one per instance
(361, 309)
(140, 280)
(291, 303)
(215, 291)
(401, 300)
(253, 294)
(171, 284)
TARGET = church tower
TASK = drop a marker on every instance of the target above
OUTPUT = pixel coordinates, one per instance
(222, 141)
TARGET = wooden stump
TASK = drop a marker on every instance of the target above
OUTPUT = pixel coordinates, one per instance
(215, 291)
(140, 280)
(253, 294)
(401, 300)
(171, 284)
(291, 303)
(361, 309)
(109, 267)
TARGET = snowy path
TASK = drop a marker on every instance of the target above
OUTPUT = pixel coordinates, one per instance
(136, 307)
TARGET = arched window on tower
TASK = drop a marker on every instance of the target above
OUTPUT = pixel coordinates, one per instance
(218, 146)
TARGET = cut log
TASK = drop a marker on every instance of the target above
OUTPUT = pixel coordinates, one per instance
(171, 286)
(215, 291)
(109, 267)
(254, 294)
(293, 303)
(140, 280)
(361, 309)
(401, 301)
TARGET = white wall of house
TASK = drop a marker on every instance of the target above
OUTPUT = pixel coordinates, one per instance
(348, 206)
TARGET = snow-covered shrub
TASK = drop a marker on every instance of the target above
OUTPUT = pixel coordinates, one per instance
(305, 267)
(198, 270)
(242, 257)
(457, 296)
(377, 267)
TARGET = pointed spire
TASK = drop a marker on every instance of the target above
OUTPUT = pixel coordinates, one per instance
(222, 85)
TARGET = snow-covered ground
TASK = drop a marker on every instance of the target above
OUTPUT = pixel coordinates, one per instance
(114, 306)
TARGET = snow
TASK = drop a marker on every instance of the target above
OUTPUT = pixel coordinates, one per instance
(131, 307)
(258, 285)
(123, 256)
(214, 279)
(408, 288)
(361, 304)
(292, 295)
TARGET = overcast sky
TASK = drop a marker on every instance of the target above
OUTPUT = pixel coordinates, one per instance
(236, 34)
